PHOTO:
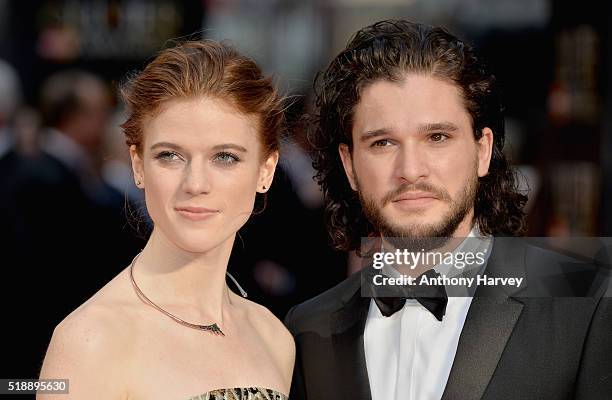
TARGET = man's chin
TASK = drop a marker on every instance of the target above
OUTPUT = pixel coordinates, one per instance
(412, 232)
(415, 242)
(415, 226)
(425, 214)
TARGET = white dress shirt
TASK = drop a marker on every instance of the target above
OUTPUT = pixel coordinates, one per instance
(409, 355)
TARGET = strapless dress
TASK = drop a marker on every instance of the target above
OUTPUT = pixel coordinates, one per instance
(250, 393)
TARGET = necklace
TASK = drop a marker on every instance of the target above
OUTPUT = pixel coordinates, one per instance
(213, 328)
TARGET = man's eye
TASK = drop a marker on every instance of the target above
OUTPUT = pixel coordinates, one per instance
(438, 137)
(168, 156)
(381, 143)
(226, 158)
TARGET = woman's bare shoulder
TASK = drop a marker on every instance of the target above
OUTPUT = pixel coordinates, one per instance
(261, 317)
(275, 334)
(91, 345)
(110, 310)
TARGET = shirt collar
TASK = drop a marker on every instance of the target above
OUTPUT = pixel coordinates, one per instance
(66, 150)
(474, 243)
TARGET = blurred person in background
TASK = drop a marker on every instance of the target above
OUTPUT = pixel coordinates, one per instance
(76, 107)
(19, 283)
(10, 97)
(60, 212)
(203, 131)
(86, 214)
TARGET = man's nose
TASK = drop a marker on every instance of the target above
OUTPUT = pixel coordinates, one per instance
(412, 163)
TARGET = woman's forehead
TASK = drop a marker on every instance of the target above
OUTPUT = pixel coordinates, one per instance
(202, 120)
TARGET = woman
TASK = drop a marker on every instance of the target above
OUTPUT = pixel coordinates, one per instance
(203, 134)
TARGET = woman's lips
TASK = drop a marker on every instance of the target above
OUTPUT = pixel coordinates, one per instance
(196, 213)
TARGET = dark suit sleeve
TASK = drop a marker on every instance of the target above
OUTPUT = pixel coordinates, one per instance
(595, 374)
(298, 388)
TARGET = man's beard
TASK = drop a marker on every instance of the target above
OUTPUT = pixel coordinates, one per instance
(421, 236)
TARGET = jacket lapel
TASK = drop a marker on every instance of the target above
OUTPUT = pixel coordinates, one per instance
(488, 326)
(486, 331)
(348, 325)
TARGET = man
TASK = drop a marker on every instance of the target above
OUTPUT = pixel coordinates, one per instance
(408, 143)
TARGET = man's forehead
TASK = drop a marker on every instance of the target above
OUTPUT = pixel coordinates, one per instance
(418, 101)
(412, 86)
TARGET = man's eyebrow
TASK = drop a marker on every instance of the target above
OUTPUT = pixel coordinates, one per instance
(429, 127)
(373, 134)
(438, 126)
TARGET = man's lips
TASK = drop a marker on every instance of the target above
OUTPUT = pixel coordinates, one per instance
(196, 213)
(410, 201)
(414, 196)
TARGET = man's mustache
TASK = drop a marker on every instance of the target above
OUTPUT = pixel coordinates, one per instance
(439, 193)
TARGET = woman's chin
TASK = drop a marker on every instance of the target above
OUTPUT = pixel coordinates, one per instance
(196, 247)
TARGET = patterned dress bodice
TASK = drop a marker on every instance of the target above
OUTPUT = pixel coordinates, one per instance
(251, 393)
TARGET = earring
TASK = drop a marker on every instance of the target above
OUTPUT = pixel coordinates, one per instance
(137, 183)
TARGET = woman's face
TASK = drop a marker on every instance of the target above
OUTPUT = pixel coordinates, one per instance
(201, 166)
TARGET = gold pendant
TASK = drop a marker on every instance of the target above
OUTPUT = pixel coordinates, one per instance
(214, 328)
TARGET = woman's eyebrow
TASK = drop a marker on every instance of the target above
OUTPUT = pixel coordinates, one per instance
(233, 146)
(167, 145)
(223, 146)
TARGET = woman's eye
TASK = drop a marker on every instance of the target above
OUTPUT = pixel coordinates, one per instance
(381, 143)
(438, 137)
(168, 156)
(226, 158)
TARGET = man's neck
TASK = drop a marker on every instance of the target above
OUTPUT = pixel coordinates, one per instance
(462, 234)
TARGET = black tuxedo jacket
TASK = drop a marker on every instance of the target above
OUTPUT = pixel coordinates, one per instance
(511, 347)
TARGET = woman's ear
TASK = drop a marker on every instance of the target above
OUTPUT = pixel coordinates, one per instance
(266, 172)
(137, 167)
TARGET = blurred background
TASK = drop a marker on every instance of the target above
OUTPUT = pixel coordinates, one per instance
(71, 217)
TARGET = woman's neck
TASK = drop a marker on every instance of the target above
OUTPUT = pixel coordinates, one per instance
(191, 282)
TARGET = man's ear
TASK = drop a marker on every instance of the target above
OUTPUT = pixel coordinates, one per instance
(266, 172)
(485, 151)
(347, 162)
(137, 167)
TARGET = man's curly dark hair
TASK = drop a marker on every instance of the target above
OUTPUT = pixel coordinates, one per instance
(388, 50)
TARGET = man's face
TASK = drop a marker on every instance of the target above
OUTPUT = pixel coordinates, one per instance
(415, 161)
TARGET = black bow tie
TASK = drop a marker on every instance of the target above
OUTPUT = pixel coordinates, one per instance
(432, 297)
